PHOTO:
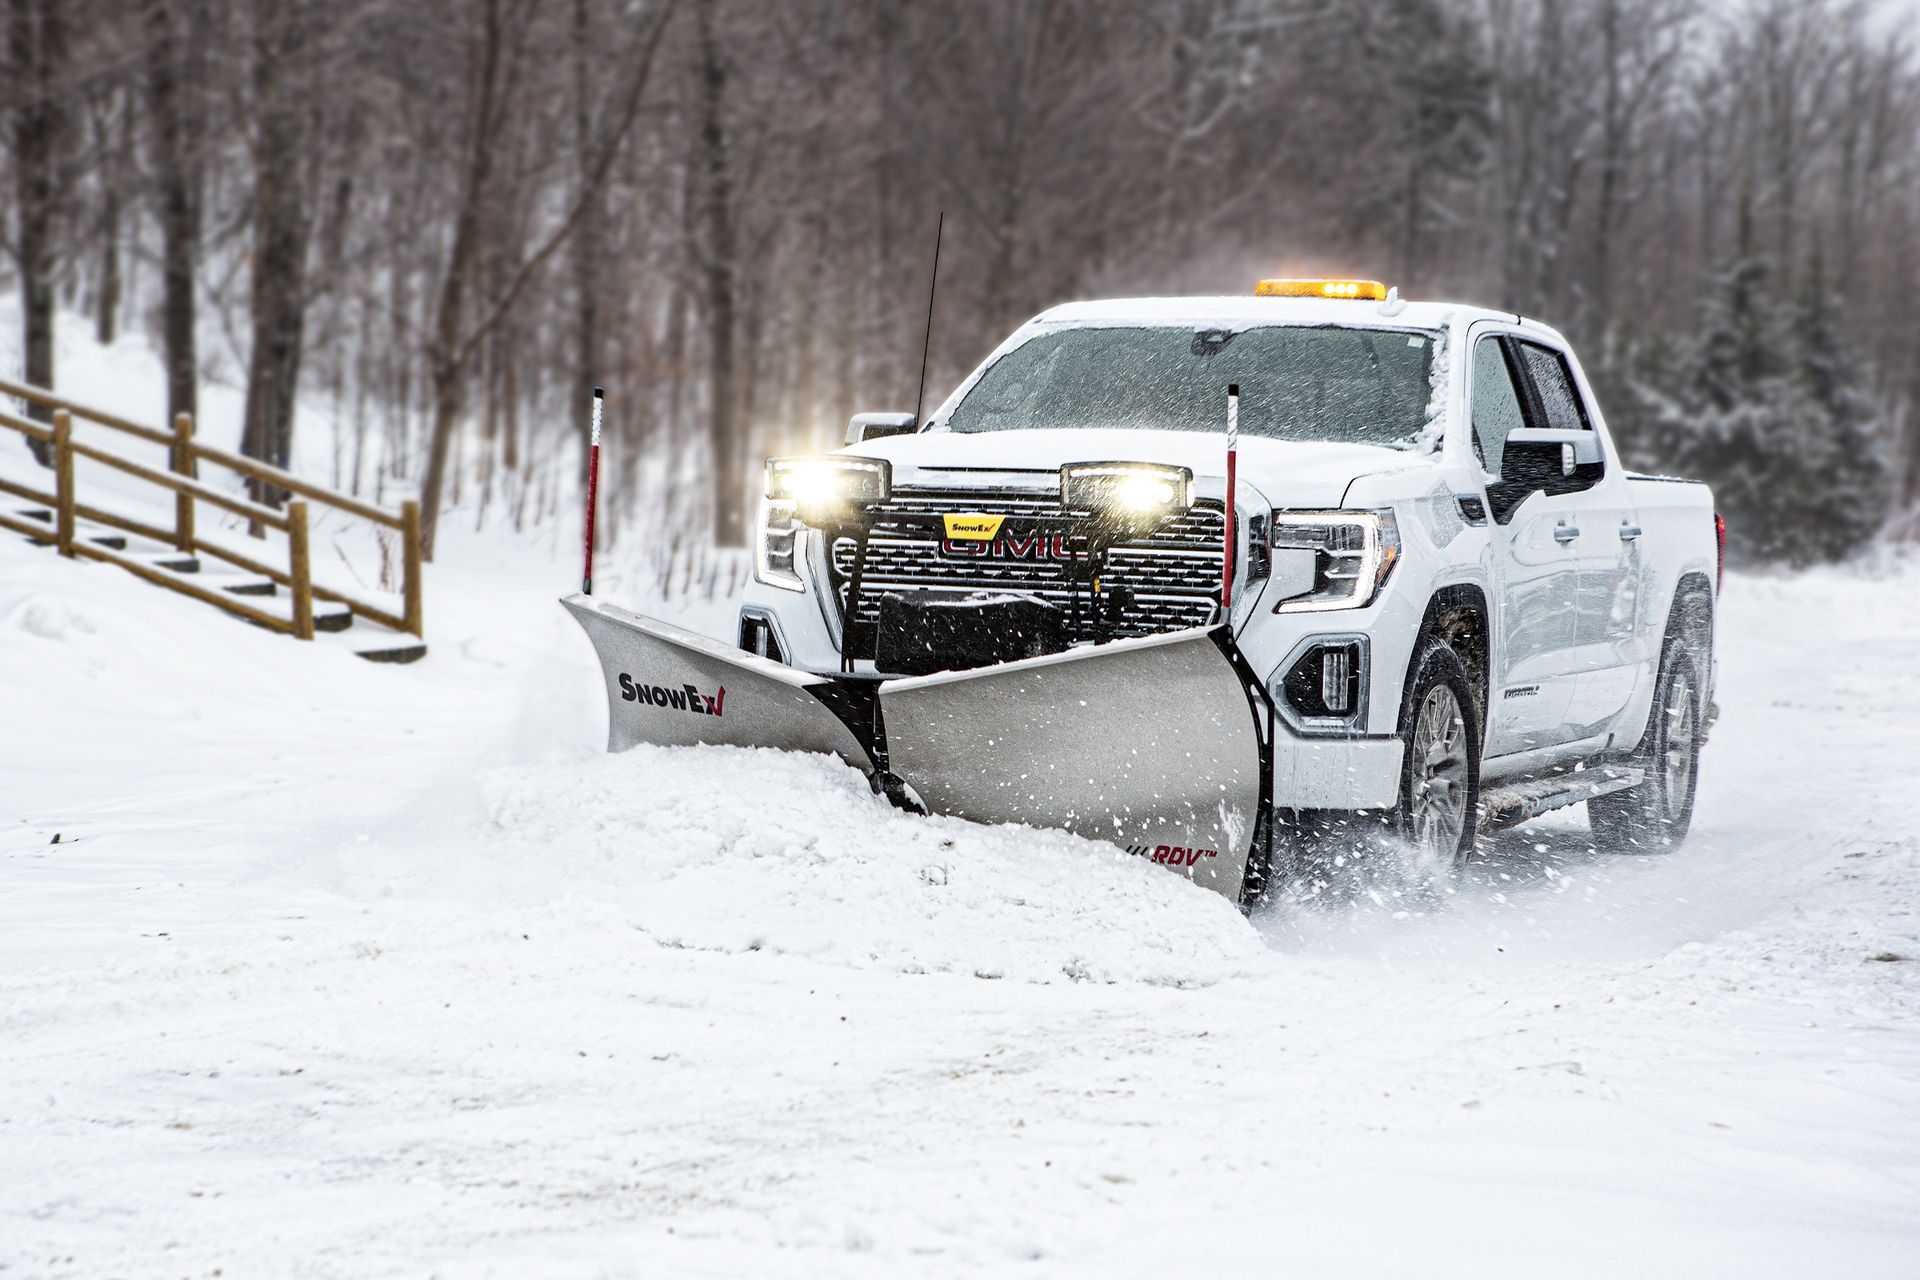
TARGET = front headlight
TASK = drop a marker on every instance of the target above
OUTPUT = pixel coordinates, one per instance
(777, 546)
(823, 492)
(1353, 556)
(826, 489)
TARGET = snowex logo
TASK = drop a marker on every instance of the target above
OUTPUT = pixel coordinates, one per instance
(686, 697)
(1172, 855)
(984, 537)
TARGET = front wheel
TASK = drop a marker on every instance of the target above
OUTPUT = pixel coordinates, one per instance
(1438, 813)
(1654, 816)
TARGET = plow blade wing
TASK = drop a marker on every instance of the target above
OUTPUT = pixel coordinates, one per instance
(675, 688)
(1153, 744)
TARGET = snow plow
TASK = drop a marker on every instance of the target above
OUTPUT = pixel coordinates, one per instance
(1425, 599)
(1158, 745)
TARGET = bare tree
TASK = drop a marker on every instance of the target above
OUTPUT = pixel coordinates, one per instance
(38, 63)
(284, 110)
(173, 30)
(496, 65)
(454, 219)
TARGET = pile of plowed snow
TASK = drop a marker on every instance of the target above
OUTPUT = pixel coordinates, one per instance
(732, 850)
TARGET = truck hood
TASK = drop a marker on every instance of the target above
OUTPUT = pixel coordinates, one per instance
(1288, 473)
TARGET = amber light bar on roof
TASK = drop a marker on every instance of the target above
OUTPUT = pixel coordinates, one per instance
(1365, 290)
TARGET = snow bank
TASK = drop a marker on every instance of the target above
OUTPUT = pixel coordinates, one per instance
(721, 849)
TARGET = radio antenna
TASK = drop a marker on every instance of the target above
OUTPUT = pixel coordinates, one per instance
(926, 342)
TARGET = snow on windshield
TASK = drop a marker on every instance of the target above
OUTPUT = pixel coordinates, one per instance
(1359, 386)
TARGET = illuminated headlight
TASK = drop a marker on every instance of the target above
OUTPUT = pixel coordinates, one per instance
(818, 491)
(1353, 556)
(824, 490)
(1132, 495)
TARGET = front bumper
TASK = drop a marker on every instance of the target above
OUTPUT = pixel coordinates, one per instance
(1336, 773)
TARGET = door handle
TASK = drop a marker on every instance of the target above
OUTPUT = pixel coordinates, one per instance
(1566, 532)
(1628, 532)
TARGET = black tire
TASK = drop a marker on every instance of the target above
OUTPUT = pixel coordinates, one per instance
(1439, 807)
(1654, 817)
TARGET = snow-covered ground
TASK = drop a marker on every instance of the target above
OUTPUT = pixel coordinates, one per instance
(344, 970)
(310, 967)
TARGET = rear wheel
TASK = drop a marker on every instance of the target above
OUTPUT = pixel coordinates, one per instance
(1439, 804)
(1654, 816)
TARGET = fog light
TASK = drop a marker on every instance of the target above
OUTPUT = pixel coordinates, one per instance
(1336, 668)
(758, 636)
(1322, 686)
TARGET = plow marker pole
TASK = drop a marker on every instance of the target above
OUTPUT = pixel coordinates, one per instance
(1233, 457)
(593, 491)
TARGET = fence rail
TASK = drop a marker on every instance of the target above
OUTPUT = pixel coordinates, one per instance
(182, 478)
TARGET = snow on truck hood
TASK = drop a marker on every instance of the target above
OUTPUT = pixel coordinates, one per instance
(1289, 473)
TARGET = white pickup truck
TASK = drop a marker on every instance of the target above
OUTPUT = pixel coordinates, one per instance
(1461, 607)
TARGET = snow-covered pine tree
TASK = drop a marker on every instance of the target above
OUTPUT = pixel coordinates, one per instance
(1858, 477)
(1769, 406)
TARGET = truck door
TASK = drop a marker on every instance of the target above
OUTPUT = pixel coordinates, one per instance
(1535, 570)
(1612, 565)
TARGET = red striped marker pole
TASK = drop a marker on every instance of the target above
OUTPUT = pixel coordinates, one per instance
(593, 491)
(1233, 457)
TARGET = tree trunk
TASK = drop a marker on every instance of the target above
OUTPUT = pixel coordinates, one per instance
(717, 217)
(447, 362)
(37, 35)
(175, 188)
(279, 241)
(115, 128)
(1612, 161)
(590, 235)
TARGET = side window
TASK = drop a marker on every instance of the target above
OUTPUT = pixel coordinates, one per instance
(1496, 406)
(1555, 385)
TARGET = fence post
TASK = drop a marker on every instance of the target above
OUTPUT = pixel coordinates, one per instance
(410, 565)
(63, 481)
(183, 465)
(299, 570)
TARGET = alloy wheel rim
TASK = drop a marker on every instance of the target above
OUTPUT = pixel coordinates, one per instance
(1440, 774)
(1676, 757)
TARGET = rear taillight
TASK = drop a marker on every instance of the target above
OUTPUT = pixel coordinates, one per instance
(1720, 552)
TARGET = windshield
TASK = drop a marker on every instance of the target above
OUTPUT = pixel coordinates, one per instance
(1358, 386)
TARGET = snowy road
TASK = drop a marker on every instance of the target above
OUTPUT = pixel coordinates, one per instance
(347, 971)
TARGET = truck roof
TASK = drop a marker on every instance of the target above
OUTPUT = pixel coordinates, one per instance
(1244, 310)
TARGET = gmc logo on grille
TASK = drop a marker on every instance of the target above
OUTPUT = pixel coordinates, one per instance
(1012, 546)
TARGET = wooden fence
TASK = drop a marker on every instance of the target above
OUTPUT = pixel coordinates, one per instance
(183, 479)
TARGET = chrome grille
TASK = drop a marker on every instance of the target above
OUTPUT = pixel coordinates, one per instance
(1173, 576)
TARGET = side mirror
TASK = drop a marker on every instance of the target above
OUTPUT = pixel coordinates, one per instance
(878, 426)
(1541, 458)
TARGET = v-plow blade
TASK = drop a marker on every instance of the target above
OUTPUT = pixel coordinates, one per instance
(1160, 745)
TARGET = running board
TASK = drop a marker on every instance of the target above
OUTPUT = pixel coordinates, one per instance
(1506, 806)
